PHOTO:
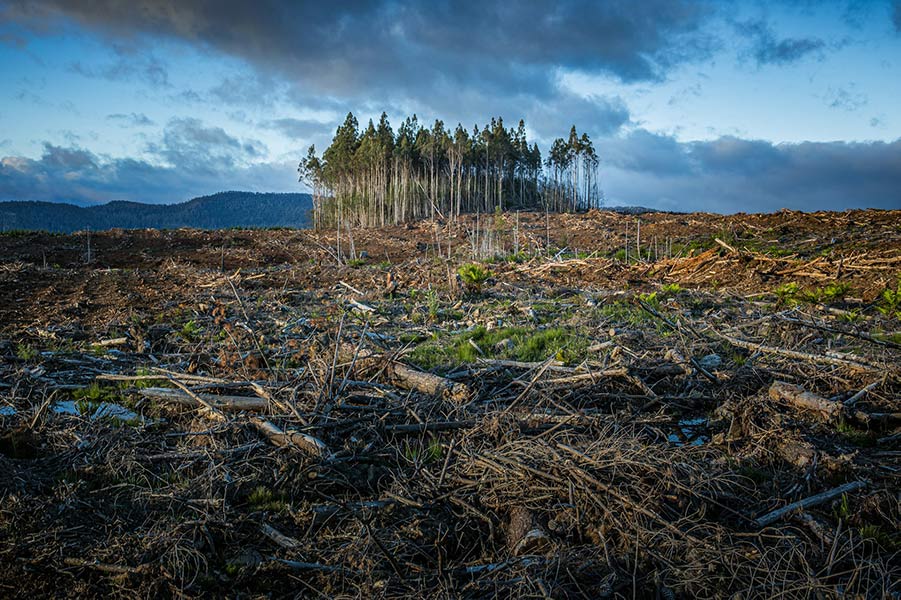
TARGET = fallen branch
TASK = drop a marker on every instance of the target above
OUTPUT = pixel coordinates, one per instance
(102, 567)
(851, 362)
(808, 502)
(278, 537)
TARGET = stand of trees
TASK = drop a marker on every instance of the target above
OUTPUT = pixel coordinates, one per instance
(378, 177)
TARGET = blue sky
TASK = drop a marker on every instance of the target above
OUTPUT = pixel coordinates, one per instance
(693, 105)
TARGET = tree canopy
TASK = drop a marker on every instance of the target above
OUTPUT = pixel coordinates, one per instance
(376, 177)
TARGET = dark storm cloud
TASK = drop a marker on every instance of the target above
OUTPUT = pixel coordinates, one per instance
(731, 174)
(767, 49)
(190, 145)
(345, 47)
(189, 159)
(131, 120)
(79, 176)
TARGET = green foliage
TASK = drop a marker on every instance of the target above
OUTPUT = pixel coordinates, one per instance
(473, 276)
(627, 313)
(190, 331)
(651, 300)
(671, 289)
(435, 451)
(890, 301)
(356, 262)
(876, 534)
(89, 399)
(263, 498)
(787, 294)
(843, 510)
(836, 291)
(519, 343)
(418, 453)
(516, 257)
(26, 351)
(889, 337)
(434, 306)
(851, 316)
(855, 435)
(832, 292)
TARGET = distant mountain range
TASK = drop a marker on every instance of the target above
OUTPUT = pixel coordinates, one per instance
(218, 211)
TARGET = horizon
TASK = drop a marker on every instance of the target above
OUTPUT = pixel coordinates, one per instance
(692, 105)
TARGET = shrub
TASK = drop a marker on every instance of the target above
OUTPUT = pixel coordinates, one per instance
(890, 301)
(786, 293)
(473, 276)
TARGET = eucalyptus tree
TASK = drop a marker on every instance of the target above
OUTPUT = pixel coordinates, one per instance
(379, 176)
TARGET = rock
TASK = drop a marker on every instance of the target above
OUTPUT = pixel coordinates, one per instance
(505, 344)
(711, 361)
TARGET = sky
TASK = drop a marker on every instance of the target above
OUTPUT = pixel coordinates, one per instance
(726, 106)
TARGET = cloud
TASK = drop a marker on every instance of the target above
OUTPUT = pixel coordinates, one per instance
(732, 174)
(298, 129)
(727, 175)
(134, 68)
(845, 99)
(347, 47)
(767, 49)
(597, 115)
(81, 177)
(131, 120)
(189, 159)
(246, 90)
(190, 145)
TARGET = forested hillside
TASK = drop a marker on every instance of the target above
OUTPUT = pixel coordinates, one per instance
(376, 177)
(225, 209)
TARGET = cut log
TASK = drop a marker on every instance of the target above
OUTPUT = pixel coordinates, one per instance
(524, 535)
(428, 383)
(795, 452)
(829, 410)
(279, 437)
(224, 403)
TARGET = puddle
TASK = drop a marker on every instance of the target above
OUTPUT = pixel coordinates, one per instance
(690, 433)
(104, 410)
(65, 407)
